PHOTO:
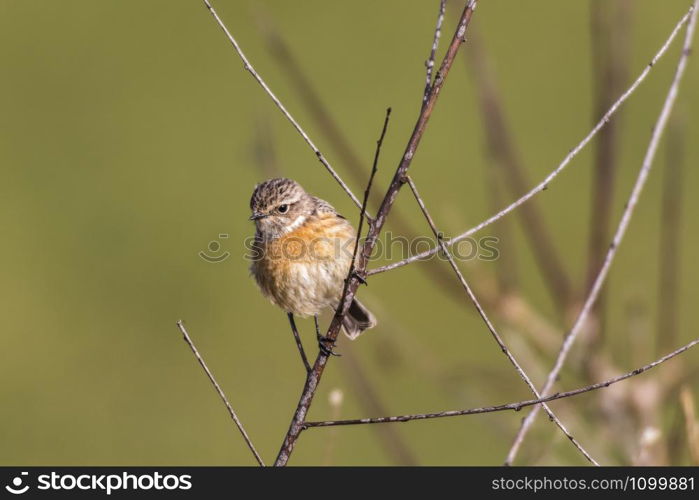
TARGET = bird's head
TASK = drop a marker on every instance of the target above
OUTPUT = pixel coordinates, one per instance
(279, 206)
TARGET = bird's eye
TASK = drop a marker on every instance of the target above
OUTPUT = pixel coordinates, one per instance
(283, 209)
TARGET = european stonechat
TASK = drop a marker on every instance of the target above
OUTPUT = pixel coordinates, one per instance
(302, 254)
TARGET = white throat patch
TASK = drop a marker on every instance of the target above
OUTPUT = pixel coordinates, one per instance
(297, 223)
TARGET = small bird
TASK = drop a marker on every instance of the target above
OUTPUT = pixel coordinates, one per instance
(302, 254)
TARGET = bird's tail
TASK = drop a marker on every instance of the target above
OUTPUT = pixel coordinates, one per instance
(357, 319)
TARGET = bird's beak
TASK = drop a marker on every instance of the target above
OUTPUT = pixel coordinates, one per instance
(257, 216)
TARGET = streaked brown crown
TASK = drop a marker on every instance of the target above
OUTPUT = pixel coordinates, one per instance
(275, 192)
(280, 205)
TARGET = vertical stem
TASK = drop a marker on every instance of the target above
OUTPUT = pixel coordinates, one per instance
(670, 231)
(306, 399)
(609, 31)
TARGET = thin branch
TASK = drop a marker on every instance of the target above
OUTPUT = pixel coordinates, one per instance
(354, 276)
(352, 283)
(658, 130)
(486, 320)
(669, 241)
(502, 150)
(429, 64)
(248, 67)
(299, 344)
(610, 55)
(331, 131)
(509, 406)
(543, 185)
(231, 411)
(367, 191)
(513, 307)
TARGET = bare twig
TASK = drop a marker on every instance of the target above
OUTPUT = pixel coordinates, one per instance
(352, 282)
(486, 320)
(354, 276)
(299, 344)
(231, 411)
(658, 130)
(508, 305)
(248, 67)
(669, 241)
(503, 151)
(429, 64)
(543, 185)
(609, 33)
(331, 131)
(367, 191)
(509, 406)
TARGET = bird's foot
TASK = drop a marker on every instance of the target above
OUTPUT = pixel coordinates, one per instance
(360, 278)
(326, 346)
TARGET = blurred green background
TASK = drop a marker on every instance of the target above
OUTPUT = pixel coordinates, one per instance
(131, 137)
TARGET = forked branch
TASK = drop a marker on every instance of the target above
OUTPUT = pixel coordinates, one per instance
(429, 64)
(658, 130)
(517, 406)
(358, 269)
(309, 390)
(543, 185)
(491, 328)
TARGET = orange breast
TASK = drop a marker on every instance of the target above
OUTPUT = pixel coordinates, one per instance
(320, 239)
(303, 270)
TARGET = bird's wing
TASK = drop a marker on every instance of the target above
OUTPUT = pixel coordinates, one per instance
(323, 207)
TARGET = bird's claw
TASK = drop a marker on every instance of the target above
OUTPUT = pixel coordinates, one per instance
(359, 278)
(328, 351)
